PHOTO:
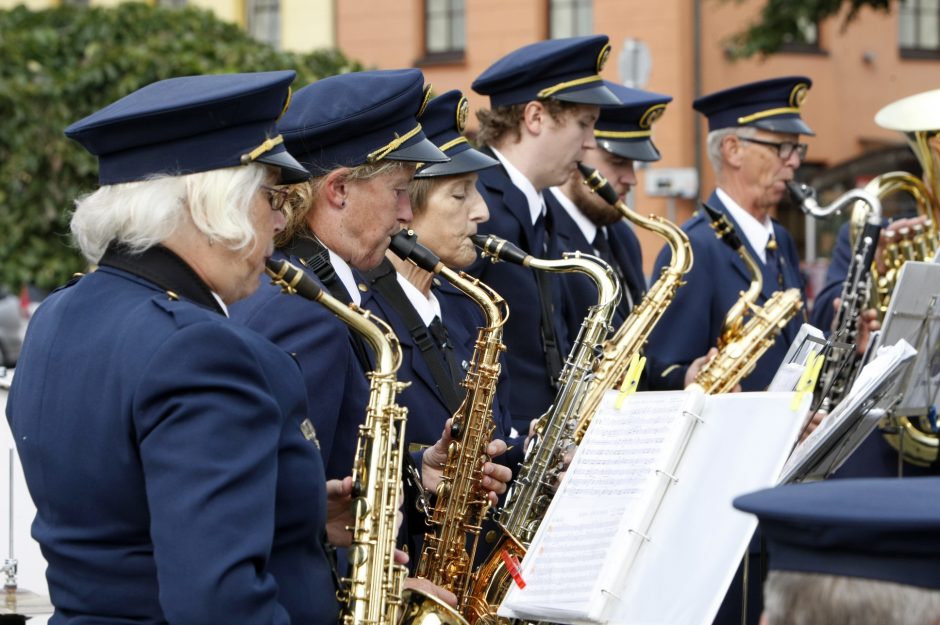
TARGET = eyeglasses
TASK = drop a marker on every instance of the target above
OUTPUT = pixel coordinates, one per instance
(784, 148)
(277, 197)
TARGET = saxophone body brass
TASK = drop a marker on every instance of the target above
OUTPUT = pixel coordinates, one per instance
(373, 593)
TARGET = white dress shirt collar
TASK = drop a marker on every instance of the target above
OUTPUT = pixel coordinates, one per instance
(518, 179)
(426, 307)
(344, 273)
(757, 233)
(585, 225)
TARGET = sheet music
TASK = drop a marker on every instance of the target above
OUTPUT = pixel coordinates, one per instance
(840, 433)
(607, 498)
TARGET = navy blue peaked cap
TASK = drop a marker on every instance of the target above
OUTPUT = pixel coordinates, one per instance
(444, 121)
(772, 105)
(563, 69)
(358, 118)
(881, 529)
(191, 124)
(626, 130)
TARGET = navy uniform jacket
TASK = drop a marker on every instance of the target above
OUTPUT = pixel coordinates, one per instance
(162, 446)
(427, 407)
(337, 389)
(580, 291)
(693, 321)
(510, 219)
(823, 312)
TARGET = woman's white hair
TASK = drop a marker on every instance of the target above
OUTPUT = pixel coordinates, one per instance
(142, 214)
(715, 137)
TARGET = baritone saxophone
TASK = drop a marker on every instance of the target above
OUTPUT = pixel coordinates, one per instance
(742, 343)
(373, 593)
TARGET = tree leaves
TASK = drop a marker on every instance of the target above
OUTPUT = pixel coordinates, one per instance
(62, 64)
(782, 22)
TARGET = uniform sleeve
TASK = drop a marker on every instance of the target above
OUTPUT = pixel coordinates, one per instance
(823, 312)
(336, 386)
(684, 331)
(208, 432)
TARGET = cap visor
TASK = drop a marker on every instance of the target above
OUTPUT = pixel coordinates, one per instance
(422, 151)
(292, 172)
(460, 163)
(787, 125)
(642, 150)
(598, 95)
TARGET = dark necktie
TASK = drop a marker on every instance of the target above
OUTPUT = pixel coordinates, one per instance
(602, 245)
(439, 333)
(774, 260)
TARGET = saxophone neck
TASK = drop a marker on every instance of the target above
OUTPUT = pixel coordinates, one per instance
(599, 271)
(494, 307)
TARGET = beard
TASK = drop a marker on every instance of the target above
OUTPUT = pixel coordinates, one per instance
(599, 212)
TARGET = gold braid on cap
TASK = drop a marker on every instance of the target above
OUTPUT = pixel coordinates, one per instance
(267, 146)
(392, 145)
(424, 102)
(622, 134)
(290, 94)
(768, 113)
(550, 91)
(452, 143)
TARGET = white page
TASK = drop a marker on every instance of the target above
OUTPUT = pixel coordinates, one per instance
(611, 490)
(681, 576)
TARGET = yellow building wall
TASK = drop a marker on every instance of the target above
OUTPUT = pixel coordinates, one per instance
(307, 25)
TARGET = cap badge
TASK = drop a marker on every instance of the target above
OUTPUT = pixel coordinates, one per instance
(602, 57)
(463, 111)
(798, 94)
(651, 115)
(424, 102)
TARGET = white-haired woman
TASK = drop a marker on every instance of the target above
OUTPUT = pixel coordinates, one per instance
(161, 442)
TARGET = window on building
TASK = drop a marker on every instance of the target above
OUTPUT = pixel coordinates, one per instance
(570, 18)
(445, 32)
(264, 21)
(919, 27)
(806, 39)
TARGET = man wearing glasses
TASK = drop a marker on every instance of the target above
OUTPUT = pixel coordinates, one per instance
(754, 148)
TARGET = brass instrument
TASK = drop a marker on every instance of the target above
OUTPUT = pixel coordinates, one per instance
(742, 343)
(532, 491)
(450, 547)
(915, 117)
(373, 593)
(843, 362)
(631, 336)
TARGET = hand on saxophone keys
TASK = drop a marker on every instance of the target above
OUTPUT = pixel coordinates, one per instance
(496, 477)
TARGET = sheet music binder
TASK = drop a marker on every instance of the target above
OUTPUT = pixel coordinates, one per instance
(624, 551)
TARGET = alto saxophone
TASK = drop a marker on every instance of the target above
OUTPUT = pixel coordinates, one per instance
(461, 506)
(842, 363)
(741, 343)
(532, 491)
(374, 592)
(635, 330)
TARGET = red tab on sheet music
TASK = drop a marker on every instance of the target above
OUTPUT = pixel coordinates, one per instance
(512, 565)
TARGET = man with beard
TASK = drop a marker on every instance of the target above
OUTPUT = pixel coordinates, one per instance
(584, 222)
(544, 100)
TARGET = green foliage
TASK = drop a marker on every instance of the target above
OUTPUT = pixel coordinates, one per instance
(62, 64)
(782, 22)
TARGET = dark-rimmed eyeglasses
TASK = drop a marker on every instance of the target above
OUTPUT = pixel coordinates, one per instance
(277, 197)
(784, 148)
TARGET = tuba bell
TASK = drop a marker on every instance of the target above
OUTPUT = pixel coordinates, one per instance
(918, 118)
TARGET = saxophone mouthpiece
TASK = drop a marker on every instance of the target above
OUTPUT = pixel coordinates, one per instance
(405, 245)
(805, 196)
(722, 227)
(500, 249)
(598, 184)
(291, 279)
